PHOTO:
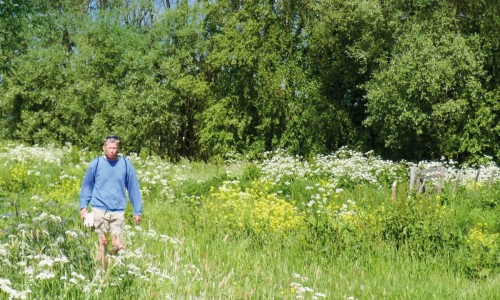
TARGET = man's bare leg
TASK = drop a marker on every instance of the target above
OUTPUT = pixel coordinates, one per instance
(116, 241)
(101, 252)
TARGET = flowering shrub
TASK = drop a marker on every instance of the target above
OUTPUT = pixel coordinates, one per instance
(345, 223)
(332, 208)
(344, 168)
(43, 259)
(424, 225)
(483, 251)
(348, 168)
(272, 214)
(254, 211)
(280, 166)
(65, 187)
(18, 180)
(21, 153)
(155, 176)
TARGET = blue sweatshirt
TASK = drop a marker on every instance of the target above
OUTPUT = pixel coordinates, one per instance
(105, 188)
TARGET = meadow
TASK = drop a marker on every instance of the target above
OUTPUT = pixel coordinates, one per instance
(277, 227)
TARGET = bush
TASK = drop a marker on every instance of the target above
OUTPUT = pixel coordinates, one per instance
(254, 211)
(482, 252)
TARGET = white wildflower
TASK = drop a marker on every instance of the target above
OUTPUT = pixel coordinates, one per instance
(45, 276)
(46, 263)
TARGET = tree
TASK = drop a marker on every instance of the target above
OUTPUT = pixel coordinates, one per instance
(423, 101)
(347, 40)
(264, 97)
(165, 93)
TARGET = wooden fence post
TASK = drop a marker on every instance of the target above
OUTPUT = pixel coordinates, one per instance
(419, 178)
(413, 175)
(394, 187)
(492, 176)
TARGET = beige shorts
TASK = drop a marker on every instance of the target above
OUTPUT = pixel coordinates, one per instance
(108, 222)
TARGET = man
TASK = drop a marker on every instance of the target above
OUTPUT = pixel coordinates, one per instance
(104, 186)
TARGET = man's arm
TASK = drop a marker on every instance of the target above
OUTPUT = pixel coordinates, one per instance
(86, 189)
(134, 192)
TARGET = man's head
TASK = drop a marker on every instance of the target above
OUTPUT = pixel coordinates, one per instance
(111, 147)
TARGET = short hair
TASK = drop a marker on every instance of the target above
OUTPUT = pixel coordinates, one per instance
(112, 139)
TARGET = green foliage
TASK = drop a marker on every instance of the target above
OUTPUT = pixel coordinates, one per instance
(199, 188)
(251, 172)
(483, 251)
(348, 39)
(67, 188)
(253, 212)
(424, 225)
(425, 96)
(16, 17)
(17, 179)
(282, 228)
(180, 79)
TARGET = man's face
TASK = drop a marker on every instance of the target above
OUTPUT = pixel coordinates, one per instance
(111, 149)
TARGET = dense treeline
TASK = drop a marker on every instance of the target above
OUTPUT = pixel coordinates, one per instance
(409, 79)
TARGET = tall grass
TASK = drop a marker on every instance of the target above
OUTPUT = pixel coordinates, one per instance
(280, 228)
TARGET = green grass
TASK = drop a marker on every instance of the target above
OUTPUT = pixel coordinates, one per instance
(420, 247)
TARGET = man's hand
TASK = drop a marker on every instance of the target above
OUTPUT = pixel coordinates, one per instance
(137, 219)
(83, 213)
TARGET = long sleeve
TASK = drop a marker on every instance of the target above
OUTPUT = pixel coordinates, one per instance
(134, 190)
(106, 183)
(87, 186)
